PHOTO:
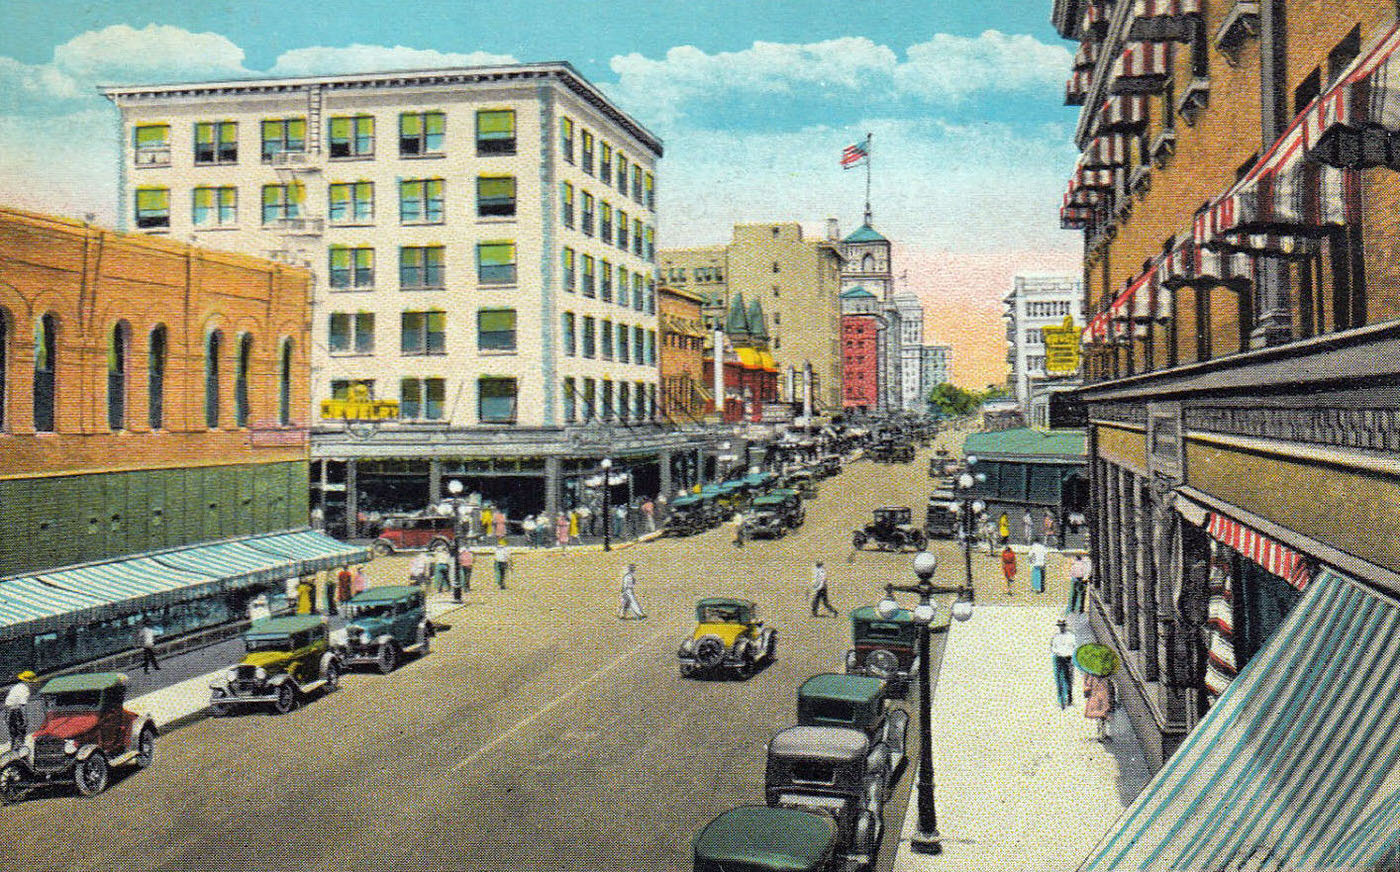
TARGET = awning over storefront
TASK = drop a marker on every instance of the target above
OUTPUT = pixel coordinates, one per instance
(1187, 264)
(1161, 20)
(1295, 766)
(50, 600)
(1277, 558)
(1124, 112)
(1356, 122)
(1142, 68)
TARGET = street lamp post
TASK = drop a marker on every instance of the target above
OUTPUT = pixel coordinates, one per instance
(926, 840)
(969, 510)
(606, 464)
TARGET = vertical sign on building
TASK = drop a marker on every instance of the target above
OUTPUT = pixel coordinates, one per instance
(1061, 348)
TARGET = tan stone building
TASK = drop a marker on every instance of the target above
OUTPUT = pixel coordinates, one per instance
(797, 282)
(684, 394)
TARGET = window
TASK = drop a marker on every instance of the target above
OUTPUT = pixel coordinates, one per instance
(495, 196)
(570, 276)
(624, 399)
(352, 136)
(622, 279)
(570, 349)
(636, 183)
(420, 201)
(495, 329)
(568, 205)
(284, 384)
(590, 336)
(1310, 87)
(586, 158)
(421, 133)
(623, 332)
(422, 267)
(651, 191)
(495, 131)
(282, 202)
(216, 142)
(621, 229)
(118, 349)
(605, 222)
(605, 274)
(351, 333)
(495, 262)
(638, 293)
(651, 347)
(214, 207)
(570, 402)
(155, 378)
(637, 240)
(1342, 54)
(351, 202)
(152, 207)
(566, 138)
(496, 400)
(606, 331)
(241, 405)
(151, 143)
(651, 243)
(282, 135)
(607, 399)
(639, 338)
(589, 273)
(622, 174)
(586, 215)
(422, 399)
(651, 297)
(641, 410)
(423, 332)
(213, 347)
(351, 268)
(341, 388)
(605, 163)
(590, 395)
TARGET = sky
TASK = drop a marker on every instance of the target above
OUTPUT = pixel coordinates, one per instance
(755, 99)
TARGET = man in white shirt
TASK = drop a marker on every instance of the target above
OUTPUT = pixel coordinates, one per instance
(1062, 646)
(147, 637)
(15, 701)
(819, 590)
(502, 563)
(1038, 551)
(629, 594)
(1080, 568)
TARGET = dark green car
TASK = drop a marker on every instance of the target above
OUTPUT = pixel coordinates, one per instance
(860, 702)
(755, 838)
(385, 623)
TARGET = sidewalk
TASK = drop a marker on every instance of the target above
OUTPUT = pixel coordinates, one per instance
(1019, 783)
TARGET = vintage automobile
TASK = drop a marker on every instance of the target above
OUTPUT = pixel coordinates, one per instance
(884, 647)
(383, 624)
(767, 519)
(691, 513)
(728, 639)
(833, 771)
(763, 839)
(860, 702)
(804, 481)
(411, 533)
(86, 731)
(829, 465)
(892, 530)
(288, 659)
(941, 520)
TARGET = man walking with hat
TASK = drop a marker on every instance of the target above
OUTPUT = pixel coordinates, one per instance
(15, 701)
(1063, 646)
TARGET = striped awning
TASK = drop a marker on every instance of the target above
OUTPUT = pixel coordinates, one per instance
(1075, 217)
(1087, 55)
(1281, 204)
(1122, 112)
(1077, 88)
(1295, 766)
(1106, 152)
(1094, 23)
(1187, 264)
(1161, 20)
(1356, 122)
(1275, 557)
(1142, 68)
(307, 551)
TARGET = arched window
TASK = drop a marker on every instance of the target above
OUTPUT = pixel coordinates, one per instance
(4, 363)
(212, 349)
(117, 349)
(156, 378)
(284, 384)
(45, 367)
(240, 381)
(867, 263)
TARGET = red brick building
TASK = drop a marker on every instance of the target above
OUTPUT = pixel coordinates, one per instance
(860, 350)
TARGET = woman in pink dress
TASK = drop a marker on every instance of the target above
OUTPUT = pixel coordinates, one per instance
(561, 529)
(499, 519)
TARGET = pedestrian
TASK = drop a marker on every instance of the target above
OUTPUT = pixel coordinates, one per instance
(486, 520)
(1062, 647)
(739, 529)
(344, 585)
(527, 527)
(15, 702)
(1004, 528)
(442, 565)
(147, 637)
(499, 522)
(1098, 703)
(1038, 553)
(330, 584)
(1048, 528)
(1008, 568)
(502, 562)
(1080, 569)
(989, 534)
(465, 560)
(629, 594)
(306, 597)
(561, 530)
(360, 582)
(620, 516)
(1028, 526)
(418, 569)
(649, 514)
(819, 590)
(575, 523)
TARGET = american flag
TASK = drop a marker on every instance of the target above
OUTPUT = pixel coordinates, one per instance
(854, 154)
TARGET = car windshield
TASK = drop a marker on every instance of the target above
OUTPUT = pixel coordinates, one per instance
(75, 700)
(267, 643)
(374, 610)
(719, 614)
(836, 710)
(812, 771)
(884, 630)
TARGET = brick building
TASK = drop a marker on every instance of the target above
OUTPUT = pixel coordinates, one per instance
(860, 350)
(684, 392)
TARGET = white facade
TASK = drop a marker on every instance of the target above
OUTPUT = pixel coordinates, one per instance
(937, 366)
(1037, 301)
(913, 391)
(446, 193)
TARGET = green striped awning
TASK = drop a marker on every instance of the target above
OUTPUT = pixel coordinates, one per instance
(1295, 766)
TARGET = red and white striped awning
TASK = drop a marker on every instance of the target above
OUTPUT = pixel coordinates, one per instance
(1096, 331)
(1106, 152)
(1073, 217)
(1281, 205)
(1123, 112)
(1095, 20)
(1087, 56)
(1077, 88)
(1161, 20)
(1275, 557)
(1187, 264)
(1142, 68)
(1356, 122)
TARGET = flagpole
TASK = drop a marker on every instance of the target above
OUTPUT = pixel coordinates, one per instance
(867, 179)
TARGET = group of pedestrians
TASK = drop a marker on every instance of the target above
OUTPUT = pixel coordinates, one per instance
(451, 569)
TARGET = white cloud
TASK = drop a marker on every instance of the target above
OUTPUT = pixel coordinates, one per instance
(326, 60)
(122, 54)
(951, 67)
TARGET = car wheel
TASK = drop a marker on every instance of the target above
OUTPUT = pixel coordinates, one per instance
(857, 540)
(12, 783)
(332, 675)
(687, 671)
(90, 775)
(437, 545)
(146, 747)
(920, 540)
(770, 648)
(219, 710)
(744, 671)
(286, 699)
(382, 548)
(388, 658)
(709, 651)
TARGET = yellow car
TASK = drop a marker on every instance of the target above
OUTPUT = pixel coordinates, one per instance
(728, 639)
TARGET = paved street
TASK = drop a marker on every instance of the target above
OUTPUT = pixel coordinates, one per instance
(542, 733)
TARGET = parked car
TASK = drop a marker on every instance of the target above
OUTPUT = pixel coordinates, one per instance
(941, 520)
(884, 647)
(692, 513)
(829, 465)
(891, 530)
(410, 533)
(766, 519)
(833, 771)
(86, 731)
(781, 511)
(860, 702)
(804, 481)
(287, 660)
(764, 839)
(728, 638)
(384, 623)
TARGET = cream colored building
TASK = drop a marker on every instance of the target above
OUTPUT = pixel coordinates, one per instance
(797, 282)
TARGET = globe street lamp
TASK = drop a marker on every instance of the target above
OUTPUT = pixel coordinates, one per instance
(606, 464)
(968, 511)
(926, 840)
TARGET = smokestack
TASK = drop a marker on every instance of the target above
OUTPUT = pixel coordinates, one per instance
(833, 230)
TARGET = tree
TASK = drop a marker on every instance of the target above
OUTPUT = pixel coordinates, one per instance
(952, 401)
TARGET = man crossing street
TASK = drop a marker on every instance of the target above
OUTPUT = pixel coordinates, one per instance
(819, 591)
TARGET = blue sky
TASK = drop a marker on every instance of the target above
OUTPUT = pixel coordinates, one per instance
(754, 98)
